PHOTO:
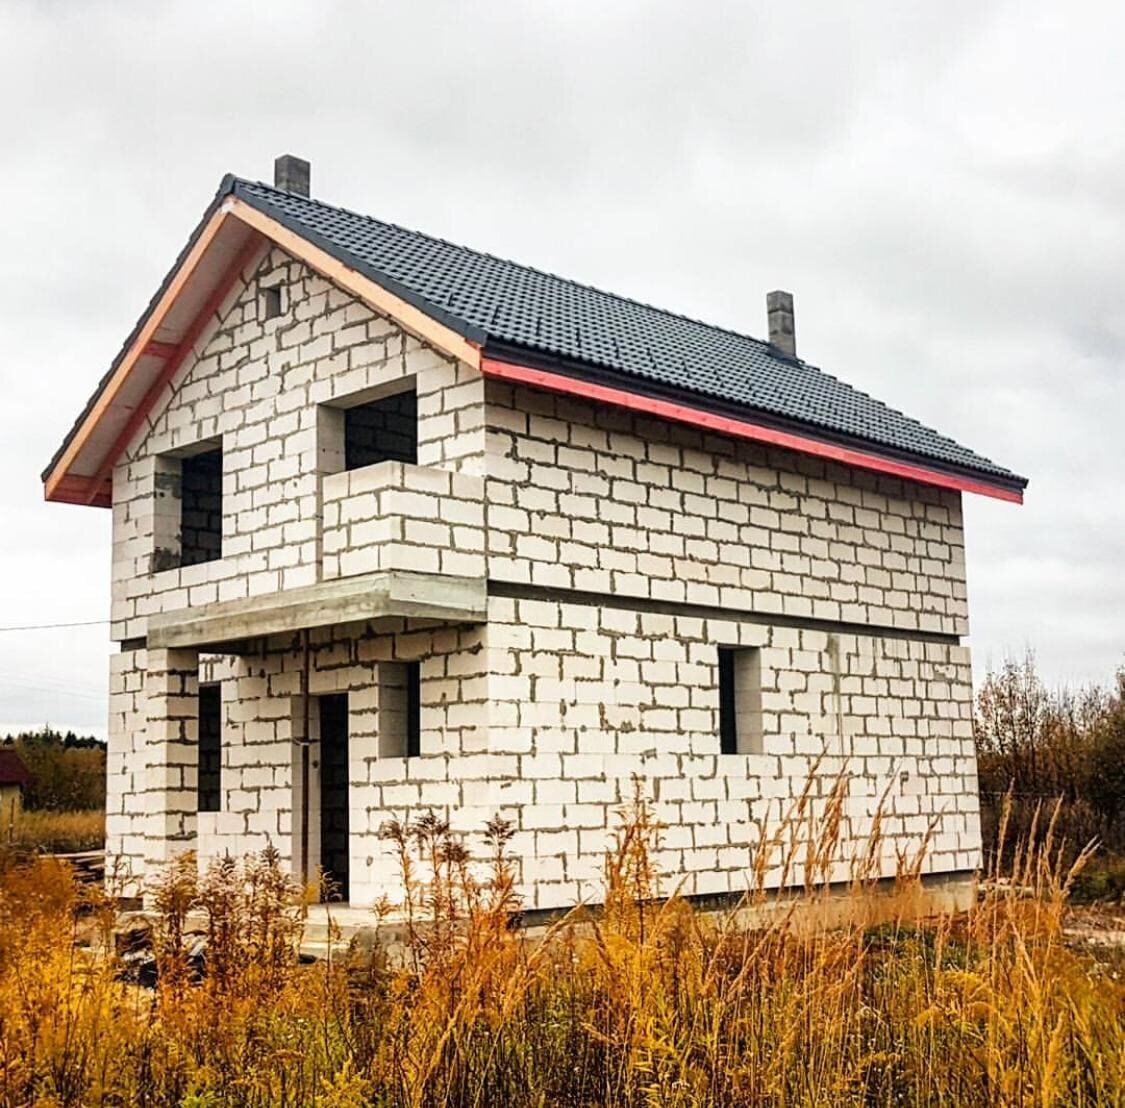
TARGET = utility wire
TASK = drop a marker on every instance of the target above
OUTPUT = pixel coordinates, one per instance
(55, 626)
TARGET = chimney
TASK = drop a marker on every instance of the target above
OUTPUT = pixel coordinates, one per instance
(291, 174)
(783, 334)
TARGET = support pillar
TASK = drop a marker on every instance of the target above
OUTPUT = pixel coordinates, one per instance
(126, 775)
(172, 756)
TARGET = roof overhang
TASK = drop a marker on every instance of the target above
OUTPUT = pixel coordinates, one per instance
(223, 250)
(683, 411)
(188, 299)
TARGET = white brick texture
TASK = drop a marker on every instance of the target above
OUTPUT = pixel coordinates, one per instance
(593, 498)
(620, 552)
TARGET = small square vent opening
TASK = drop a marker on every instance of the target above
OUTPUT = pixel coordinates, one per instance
(271, 301)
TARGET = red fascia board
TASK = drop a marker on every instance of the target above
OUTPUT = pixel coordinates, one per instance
(739, 428)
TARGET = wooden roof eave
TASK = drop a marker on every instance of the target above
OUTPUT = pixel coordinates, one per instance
(227, 241)
(223, 248)
(191, 294)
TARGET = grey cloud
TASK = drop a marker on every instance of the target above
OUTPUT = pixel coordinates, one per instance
(942, 186)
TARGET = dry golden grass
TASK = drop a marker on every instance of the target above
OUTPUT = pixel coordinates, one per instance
(53, 832)
(647, 1002)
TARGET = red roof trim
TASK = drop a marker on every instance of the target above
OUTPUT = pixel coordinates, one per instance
(740, 428)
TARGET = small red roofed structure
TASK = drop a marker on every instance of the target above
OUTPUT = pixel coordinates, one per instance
(14, 778)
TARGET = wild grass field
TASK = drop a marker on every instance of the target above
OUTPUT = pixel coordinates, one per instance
(62, 810)
(646, 1002)
(52, 832)
(649, 1001)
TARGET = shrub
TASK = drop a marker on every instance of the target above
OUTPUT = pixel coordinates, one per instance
(1041, 746)
(67, 772)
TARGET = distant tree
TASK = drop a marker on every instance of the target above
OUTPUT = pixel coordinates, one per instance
(67, 771)
(1047, 744)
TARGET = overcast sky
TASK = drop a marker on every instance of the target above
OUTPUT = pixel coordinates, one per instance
(942, 188)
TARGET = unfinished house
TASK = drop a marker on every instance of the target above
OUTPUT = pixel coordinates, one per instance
(400, 527)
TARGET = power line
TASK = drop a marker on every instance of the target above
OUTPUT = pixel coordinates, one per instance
(55, 626)
(10, 681)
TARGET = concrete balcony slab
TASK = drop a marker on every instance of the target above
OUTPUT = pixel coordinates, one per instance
(388, 594)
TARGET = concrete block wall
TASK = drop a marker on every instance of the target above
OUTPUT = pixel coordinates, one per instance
(171, 754)
(547, 715)
(126, 763)
(262, 387)
(621, 552)
(398, 516)
(627, 551)
(586, 697)
(587, 497)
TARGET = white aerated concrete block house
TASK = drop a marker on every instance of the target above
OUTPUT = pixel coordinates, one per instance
(401, 527)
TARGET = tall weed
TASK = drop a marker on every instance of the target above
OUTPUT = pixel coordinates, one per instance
(643, 1000)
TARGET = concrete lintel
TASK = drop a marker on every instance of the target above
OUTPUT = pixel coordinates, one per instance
(390, 593)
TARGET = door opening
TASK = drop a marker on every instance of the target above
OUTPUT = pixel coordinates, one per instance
(334, 794)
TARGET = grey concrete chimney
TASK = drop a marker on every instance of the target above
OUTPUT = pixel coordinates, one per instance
(783, 332)
(291, 174)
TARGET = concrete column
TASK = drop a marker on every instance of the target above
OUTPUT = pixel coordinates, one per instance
(330, 458)
(172, 756)
(126, 774)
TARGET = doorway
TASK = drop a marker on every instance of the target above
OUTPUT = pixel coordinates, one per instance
(334, 836)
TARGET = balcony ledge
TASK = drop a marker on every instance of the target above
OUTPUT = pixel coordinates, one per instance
(388, 594)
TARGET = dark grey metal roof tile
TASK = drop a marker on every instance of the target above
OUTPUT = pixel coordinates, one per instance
(499, 301)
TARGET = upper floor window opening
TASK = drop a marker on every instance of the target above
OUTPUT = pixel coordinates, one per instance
(377, 425)
(188, 508)
(382, 430)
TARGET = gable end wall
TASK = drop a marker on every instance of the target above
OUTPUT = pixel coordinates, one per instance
(256, 384)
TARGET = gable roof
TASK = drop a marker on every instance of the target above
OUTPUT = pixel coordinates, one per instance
(494, 301)
(592, 340)
(12, 769)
